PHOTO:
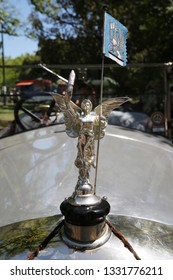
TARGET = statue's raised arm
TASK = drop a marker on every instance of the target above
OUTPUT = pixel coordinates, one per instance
(70, 109)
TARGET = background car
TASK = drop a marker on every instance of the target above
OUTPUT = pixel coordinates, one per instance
(133, 120)
(130, 116)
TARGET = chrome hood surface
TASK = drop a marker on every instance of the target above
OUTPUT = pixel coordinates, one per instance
(37, 173)
(151, 240)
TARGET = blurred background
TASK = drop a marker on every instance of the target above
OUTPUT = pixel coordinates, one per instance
(68, 34)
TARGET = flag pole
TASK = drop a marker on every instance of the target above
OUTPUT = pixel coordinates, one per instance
(100, 113)
(114, 47)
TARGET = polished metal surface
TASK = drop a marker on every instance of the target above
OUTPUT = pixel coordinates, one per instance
(84, 199)
(151, 240)
(135, 173)
(85, 238)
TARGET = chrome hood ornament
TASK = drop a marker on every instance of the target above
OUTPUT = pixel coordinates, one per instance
(84, 225)
(88, 126)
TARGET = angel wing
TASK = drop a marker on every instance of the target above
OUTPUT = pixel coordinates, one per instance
(107, 106)
(71, 114)
(64, 104)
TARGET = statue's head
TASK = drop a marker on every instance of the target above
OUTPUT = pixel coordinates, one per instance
(86, 106)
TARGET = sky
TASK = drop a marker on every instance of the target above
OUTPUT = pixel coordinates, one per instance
(17, 46)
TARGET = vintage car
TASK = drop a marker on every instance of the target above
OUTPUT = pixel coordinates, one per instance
(120, 209)
(27, 87)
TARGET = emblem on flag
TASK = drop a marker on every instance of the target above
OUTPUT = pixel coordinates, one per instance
(114, 44)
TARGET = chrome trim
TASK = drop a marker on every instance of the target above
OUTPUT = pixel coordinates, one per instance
(85, 238)
(87, 199)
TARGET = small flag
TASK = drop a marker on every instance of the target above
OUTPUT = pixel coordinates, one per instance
(114, 44)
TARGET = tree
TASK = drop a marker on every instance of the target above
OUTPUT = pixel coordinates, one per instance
(150, 30)
(18, 70)
(67, 31)
(9, 19)
(9, 24)
(80, 25)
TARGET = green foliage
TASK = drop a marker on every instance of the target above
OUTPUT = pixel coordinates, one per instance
(149, 23)
(18, 70)
(12, 73)
(27, 72)
(10, 24)
(70, 32)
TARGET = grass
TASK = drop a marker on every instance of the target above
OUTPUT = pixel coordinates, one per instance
(6, 114)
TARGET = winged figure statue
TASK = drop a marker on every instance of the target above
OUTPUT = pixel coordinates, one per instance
(86, 124)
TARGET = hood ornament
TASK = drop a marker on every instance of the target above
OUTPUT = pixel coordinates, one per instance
(84, 225)
(88, 126)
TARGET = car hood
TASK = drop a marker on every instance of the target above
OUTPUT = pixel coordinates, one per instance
(37, 173)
